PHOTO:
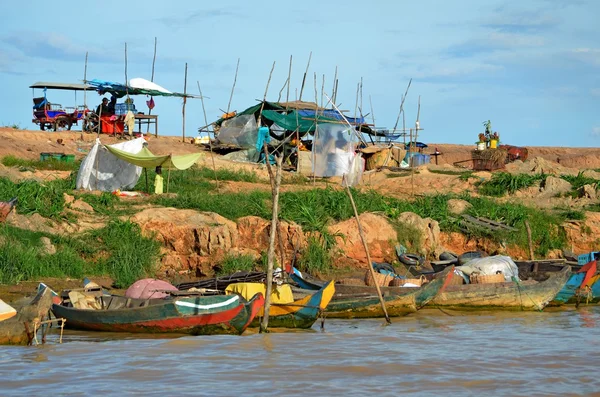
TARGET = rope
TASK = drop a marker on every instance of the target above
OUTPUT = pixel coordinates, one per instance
(516, 281)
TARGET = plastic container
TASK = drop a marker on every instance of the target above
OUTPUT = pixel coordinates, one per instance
(67, 158)
(480, 145)
(586, 258)
(493, 143)
(122, 108)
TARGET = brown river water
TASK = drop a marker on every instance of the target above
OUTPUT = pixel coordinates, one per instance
(430, 353)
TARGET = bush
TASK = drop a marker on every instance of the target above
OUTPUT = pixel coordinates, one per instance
(232, 263)
(504, 182)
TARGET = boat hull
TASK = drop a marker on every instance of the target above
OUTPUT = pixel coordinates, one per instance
(525, 295)
(302, 313)
(189, 315)
(363, 302)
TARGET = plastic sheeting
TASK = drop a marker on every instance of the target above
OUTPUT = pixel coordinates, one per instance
(333, 153)
(241, 131)
(491, 265)
(146, 159)
(101, 170)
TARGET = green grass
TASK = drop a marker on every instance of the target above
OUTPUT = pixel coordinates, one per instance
(45, 198)
(462, 175)
(117, 250)
(52, 164)
(580, 180)
(571, 214)
(232, 263)
(545, 229)
(316, 258)
(504, 182)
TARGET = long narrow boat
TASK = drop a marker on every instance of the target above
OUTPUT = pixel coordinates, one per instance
(301, 313)
(571, 293)
(522, 295)
(202, 315)
(363, 302)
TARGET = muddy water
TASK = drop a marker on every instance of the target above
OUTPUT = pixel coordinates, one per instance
(430, 353)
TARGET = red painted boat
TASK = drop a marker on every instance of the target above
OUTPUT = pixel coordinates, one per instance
(195, 315)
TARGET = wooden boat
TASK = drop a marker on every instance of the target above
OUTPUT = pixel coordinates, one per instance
(571, 293)
(351, 301)
(301, 313)
(196, 315)
(19, 329)
(522, 295)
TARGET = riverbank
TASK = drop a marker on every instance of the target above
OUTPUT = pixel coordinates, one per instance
(206, 225)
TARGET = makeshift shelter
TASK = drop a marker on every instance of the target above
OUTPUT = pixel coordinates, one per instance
(334, 152)
(102, 170)
(146, 159)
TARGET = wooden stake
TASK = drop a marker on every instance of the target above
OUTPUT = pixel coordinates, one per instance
(212, 157)
(184, 102)
(262, 106)
(372, 114)
(233, 88)
(402, 104)
(529, 240)
(152, 79)
(271, 253)
(85, 82)
(287, 94)
(334, 88)
(304, 78)
(369, 264)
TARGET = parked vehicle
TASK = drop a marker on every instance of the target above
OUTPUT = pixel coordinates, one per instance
(55, 116)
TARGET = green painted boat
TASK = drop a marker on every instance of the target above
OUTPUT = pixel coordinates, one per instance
(195, 315)
(522, 295)
(363, 302)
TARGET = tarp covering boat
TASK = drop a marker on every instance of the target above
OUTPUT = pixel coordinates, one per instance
(492, 265)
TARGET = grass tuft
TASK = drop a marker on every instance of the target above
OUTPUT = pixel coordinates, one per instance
(504, 182)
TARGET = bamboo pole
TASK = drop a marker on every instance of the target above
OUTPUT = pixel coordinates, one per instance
(85, 83)
(287, 94)
(529, 240)
(272, 178)
(271, 253)
(402, 104)
(152, 79)
(184, 102)
(369, 264)
(212, 157)
(126, 93)
(373, 116)
(334, 88)
(304, 78)
(233, 87)
(262, 106)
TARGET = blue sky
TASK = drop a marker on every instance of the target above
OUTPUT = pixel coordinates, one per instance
(531, 67)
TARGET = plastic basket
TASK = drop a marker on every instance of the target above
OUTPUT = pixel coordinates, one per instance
(123, 108)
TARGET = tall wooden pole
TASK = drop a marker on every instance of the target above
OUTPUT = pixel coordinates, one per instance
(85, 81)
(287, 94)
(402, 104)
(212, 157)
(369, 263)
(334, 88)
(152, 79)
(304, 78)
(233, 87)
(271, 253)
(184, 102)
(262, 106)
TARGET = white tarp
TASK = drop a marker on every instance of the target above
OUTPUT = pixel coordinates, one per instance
(147, 85)
(102, 170)
(334, 152)
(491, 265)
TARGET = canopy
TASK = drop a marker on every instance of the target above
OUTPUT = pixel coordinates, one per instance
(146, 159)
(294, 120)
(62, 86)
(120, 90)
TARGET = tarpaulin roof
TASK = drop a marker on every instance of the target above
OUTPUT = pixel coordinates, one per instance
(120, 90)
(332, 114)
(62, 86)
(146, 159)
(293, 120)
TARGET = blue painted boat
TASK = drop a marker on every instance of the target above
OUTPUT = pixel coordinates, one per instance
(569, 289)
